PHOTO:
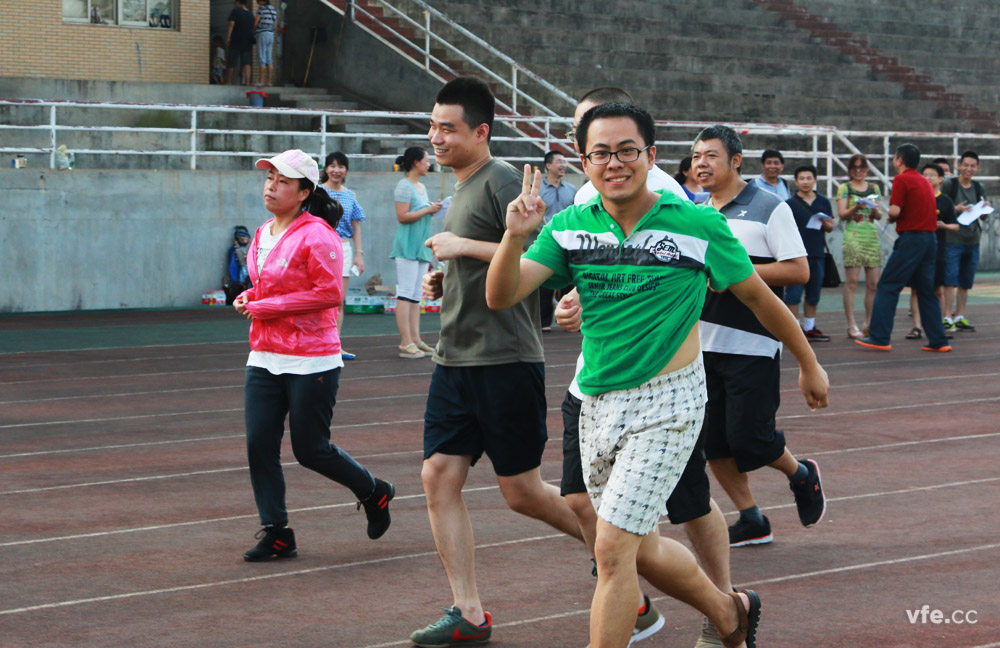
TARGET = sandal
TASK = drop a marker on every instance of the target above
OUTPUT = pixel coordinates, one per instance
(748, 620)
(914, 334)
(426, 348)
(410, 351)
(854, 333)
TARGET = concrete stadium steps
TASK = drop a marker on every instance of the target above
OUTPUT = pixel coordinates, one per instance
(372, 142)
(856, 34)
(810, 61)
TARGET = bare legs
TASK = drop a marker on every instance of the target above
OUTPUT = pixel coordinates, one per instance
(667, 564)
(443, 477)
(852, 275)
(737, 484)
(408, 322)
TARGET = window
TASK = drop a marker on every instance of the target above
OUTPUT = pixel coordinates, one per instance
(155, 14)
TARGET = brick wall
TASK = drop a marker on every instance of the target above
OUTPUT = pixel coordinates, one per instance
(37, 43)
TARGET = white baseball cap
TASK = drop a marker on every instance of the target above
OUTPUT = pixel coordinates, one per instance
(292, 164)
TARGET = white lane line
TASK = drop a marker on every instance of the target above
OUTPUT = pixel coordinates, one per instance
(966, 437)
(159, 392)
(193, 473)
(252, 579)
(876, 564)
(899, 382)
(428, 554)
(121, 446)
(773, 507)
(551, 409)
(885, 360)
(153, 346)
(900, 444)
(77, 379)
(239, 369)
(790, 577)
(157, 527)
(892, 408)
(189, 413)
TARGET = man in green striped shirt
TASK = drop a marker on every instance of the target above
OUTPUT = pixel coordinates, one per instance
(641, 261)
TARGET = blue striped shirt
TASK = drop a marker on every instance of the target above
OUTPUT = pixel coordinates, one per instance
(352, 211)
(268, 15)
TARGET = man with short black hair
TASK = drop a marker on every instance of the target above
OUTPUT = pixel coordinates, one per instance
(962, 247)
(945, 166)
(772, 163)
(487, 392)
(806, 206)
(946, 223)
(914, 210)
(658, 179)
(558, 195)
(690, 504)
(556, 192)
(742, 357)
(641, 261)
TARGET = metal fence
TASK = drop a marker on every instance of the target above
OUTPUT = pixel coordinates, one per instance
(52, 123)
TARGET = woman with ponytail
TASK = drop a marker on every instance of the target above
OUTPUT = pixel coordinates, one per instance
(413, 211)
(295, 263)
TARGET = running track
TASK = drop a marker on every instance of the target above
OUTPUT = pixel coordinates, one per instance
(126, 506)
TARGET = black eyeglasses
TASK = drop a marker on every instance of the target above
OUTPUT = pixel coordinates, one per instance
(858, 166)
(625, 155)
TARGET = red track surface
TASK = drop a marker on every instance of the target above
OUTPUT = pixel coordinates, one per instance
(126, 507)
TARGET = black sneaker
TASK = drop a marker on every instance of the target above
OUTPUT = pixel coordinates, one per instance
(962, 324)
(745, 532)
(274, 543)
(809, 498)
(816, 335)
(377, 508)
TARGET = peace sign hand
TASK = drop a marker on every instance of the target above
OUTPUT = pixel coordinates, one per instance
(527, 211)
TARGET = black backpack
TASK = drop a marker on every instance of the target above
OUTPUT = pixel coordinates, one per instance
(953, 190)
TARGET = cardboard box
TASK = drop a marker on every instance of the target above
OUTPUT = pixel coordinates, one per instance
(364, 304)
(213, 298)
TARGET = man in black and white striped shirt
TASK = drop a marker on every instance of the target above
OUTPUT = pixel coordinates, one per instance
(742, 359)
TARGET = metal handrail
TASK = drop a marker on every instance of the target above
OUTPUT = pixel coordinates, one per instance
(429, 34)
(671, 149)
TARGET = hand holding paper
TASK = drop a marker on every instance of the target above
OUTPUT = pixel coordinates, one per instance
(969, 216)
(816, 222)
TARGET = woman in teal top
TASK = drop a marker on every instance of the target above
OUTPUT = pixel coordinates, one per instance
(413, 211)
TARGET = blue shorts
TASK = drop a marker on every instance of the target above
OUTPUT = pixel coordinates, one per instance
(496, 409)
(960, 263)
(265, 47)
(793, 294)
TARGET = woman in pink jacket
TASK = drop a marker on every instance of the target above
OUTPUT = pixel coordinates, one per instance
(295, 263)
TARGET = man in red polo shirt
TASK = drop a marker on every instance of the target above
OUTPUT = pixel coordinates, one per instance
(913, 208)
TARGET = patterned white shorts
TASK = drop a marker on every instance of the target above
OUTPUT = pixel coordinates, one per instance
(635, 443)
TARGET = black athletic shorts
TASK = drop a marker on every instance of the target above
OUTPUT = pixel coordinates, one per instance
(496, 409)
(743, 398)
(691, 498)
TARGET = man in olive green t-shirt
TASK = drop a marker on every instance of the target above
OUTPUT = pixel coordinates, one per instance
(487, 393)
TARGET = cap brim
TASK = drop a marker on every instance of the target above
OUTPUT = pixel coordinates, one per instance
(278, 165)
